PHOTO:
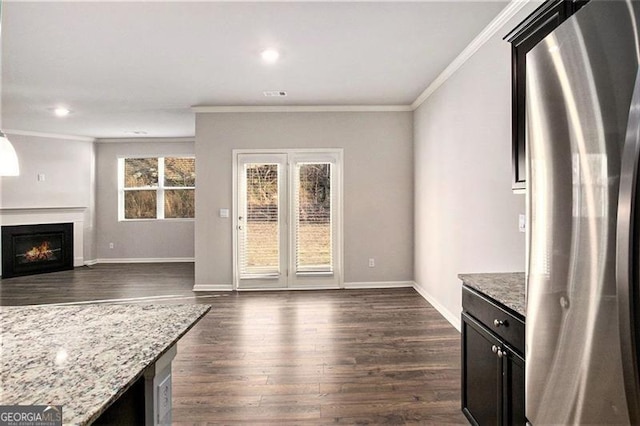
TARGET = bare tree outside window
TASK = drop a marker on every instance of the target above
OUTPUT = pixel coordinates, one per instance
(313, 245)
(180, 176)
(148, 196)
(179, 172)
(140, 172)
(262, 233)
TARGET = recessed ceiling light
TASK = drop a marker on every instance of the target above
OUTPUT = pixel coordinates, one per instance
(61, 111)
(270, 55)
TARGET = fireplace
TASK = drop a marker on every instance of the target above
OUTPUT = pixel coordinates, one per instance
(35, 249)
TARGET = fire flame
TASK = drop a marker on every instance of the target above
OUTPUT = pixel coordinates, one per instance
(39, 253)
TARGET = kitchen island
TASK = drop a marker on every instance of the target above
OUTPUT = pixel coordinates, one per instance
(91, 357)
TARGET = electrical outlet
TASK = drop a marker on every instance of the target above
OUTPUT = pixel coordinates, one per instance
(41, 177)
(372, 262)
(111, 245)
(163, 392)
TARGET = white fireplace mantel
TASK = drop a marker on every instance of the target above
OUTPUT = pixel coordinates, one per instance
(10, 216)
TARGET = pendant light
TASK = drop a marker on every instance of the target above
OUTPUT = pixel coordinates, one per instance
(8, 158)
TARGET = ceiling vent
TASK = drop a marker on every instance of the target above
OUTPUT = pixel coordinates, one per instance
(275, 93)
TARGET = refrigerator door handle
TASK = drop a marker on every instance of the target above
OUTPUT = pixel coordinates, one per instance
(626, 253)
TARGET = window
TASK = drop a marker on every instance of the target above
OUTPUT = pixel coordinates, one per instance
(157, 188)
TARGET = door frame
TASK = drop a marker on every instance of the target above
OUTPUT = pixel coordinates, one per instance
(339, 243)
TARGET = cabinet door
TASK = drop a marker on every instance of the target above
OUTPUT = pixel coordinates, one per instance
(523, 38)
(481, 375)
(513, 384)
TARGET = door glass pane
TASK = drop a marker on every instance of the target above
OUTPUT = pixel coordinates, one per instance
(313, 218)
(260, 226)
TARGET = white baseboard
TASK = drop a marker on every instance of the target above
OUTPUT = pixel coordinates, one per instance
(78, 261)
(290, 288)
(447, 314)
(352, 285)
(148, 260)
(212, 287)
(90, 262)
(378, 284)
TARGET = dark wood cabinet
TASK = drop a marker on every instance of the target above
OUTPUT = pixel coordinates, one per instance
(523, 38)
(513, 382)
(492, 362)
(481, 374)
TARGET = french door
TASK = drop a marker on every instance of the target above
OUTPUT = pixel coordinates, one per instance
(287, 219)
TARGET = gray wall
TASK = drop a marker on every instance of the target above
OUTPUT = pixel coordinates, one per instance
(68, 166)
(378, 184)
(466, 213)
(149, 240)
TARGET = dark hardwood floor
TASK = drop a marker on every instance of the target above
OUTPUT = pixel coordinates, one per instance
(99, 282)
(298, 357)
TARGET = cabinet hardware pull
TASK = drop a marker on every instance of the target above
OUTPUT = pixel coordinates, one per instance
(499, 323)
(494, 349)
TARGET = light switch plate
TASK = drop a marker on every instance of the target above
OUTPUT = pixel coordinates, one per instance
(522, 223)
(224, 212)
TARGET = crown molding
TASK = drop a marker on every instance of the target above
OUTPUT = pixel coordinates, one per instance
(154, 140)
(48, 135)
(489, 31)
(303, 108)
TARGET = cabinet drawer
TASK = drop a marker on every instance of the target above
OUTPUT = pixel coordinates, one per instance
(501, 322)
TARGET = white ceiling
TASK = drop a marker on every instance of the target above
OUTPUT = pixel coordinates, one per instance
(122, 66)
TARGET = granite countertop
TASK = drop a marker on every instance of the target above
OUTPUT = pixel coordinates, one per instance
(507, 288)
(84, 357)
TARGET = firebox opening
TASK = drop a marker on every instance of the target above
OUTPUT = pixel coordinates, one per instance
(34, 249)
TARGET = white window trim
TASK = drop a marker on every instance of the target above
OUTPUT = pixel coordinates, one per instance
(160, 189)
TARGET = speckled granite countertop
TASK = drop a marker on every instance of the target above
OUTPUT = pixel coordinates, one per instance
(84, 357)
(507, 288)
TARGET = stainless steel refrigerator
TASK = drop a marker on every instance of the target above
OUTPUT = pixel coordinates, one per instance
(583, 285)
